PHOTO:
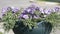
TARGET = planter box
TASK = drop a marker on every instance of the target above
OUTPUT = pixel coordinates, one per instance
(43, 28)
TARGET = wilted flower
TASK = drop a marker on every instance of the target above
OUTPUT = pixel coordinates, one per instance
(9, 8)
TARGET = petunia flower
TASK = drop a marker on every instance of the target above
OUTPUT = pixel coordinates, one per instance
(57, 8)
(5, 9)
(14, 9)
(29, 10)
(41, 10)
(25, 16)
(48, 11)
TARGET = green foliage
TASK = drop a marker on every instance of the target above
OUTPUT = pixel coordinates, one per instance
(53, 18)
(29, 22)
(9, 20)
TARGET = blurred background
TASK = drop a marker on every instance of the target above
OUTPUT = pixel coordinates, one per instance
(51, 0)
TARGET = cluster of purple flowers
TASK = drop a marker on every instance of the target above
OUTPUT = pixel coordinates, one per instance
(30, 11)
(6, 9)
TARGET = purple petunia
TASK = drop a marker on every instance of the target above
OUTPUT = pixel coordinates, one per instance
(25, 16)
(5, 9)
(57, 8)
(41, 10)
(47, 11)
(14, 9)
(29, 10)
